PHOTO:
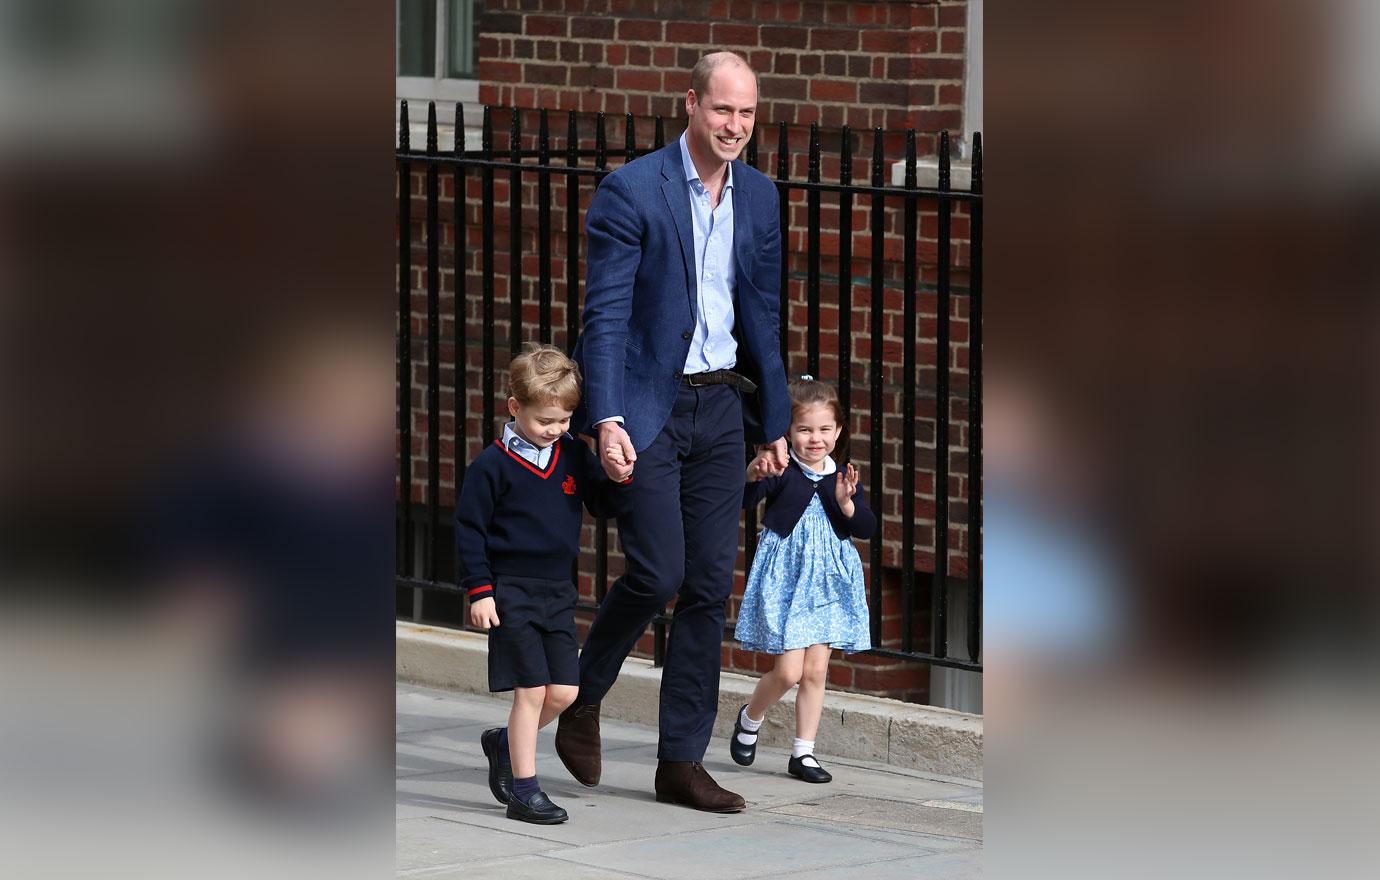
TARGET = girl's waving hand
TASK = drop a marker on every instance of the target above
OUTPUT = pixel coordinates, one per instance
(845, 487)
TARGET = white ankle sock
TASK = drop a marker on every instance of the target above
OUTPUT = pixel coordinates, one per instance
(802, 747)
(748, 736)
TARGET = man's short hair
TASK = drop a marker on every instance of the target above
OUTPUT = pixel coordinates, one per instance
(542, 375)
(705, 67)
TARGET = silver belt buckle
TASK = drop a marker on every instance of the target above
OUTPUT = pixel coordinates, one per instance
(690, 380)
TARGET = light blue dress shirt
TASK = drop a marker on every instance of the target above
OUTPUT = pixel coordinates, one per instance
(712, 347)
(537, 455)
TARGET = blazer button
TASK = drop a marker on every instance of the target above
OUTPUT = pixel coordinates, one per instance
(677, 374)
(685, 335)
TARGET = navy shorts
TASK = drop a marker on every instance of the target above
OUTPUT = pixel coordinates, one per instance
(534, 642)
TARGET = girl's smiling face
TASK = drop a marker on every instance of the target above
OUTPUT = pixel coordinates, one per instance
(814, 431)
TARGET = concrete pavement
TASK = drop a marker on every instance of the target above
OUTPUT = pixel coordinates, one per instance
(873, 820)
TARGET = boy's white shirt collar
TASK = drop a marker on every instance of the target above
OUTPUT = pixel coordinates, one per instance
(537, 455)
(829, 466)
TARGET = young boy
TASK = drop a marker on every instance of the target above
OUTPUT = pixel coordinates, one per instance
(517, 532)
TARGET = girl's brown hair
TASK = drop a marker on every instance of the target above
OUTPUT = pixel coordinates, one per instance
(809, 391)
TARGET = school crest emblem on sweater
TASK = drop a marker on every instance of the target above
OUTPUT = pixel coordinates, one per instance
(569, 485)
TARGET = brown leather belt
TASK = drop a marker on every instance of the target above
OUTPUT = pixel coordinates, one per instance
(721, 377)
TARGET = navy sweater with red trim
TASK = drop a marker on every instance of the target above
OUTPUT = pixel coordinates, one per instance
(515, 519)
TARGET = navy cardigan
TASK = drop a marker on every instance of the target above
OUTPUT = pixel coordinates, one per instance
(789, 494)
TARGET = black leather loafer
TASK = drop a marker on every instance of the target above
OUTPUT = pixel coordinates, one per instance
(539, 810)
(800, 770)
(740, 753)
(500, 772)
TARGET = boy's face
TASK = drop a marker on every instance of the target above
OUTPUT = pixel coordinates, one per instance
(539, 425)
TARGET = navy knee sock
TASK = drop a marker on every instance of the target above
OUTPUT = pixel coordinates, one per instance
(523, 789)
(503, 745)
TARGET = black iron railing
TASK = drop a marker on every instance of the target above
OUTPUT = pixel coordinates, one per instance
(462, 164)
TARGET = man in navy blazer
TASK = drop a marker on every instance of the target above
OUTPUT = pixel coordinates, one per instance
(681, 358)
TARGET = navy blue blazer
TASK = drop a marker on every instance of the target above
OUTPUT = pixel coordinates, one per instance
(640, 298)
(789, 494)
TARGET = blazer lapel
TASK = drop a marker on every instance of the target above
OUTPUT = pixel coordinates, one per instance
(744, 235)
(678, 200)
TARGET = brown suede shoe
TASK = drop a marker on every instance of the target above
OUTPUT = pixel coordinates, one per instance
(689, 784)
(577, 742)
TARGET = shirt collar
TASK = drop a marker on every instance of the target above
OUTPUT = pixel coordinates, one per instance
(829, 466)
(511, 439)
(692, 174)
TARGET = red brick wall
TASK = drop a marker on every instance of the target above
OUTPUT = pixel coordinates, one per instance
(896, 65)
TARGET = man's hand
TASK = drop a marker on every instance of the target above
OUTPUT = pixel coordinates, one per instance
(616, 451)
(845, 487)
(773, 457)
(484, 613)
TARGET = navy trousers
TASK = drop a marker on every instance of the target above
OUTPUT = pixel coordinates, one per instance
(680, 537)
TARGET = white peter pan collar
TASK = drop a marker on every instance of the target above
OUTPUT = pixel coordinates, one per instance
(829, 466)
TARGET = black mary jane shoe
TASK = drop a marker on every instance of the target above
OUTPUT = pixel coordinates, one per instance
(500, 773)
(538, 810)
(800, 770)
(740, 753)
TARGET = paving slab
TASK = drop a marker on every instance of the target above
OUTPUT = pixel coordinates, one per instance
(428, 842)
(419, 709)
(962, 865)
(919, 841)
(882, 813)
(536, 867)
(763, 849)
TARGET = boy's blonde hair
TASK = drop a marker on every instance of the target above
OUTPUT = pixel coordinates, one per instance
(542, 375)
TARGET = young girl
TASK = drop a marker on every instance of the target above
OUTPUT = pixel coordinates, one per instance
(805, 593)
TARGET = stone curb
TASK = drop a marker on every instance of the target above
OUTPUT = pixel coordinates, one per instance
(924, 738)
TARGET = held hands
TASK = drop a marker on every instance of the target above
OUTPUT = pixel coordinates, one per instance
(484, 613)
(845, 487)
(773, 459)
(758, 468)
(615, 455)
(616, 451)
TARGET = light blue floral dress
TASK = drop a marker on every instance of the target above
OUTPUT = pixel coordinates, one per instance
(806, 588)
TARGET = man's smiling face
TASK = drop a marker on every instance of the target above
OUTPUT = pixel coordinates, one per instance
(720, 120)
